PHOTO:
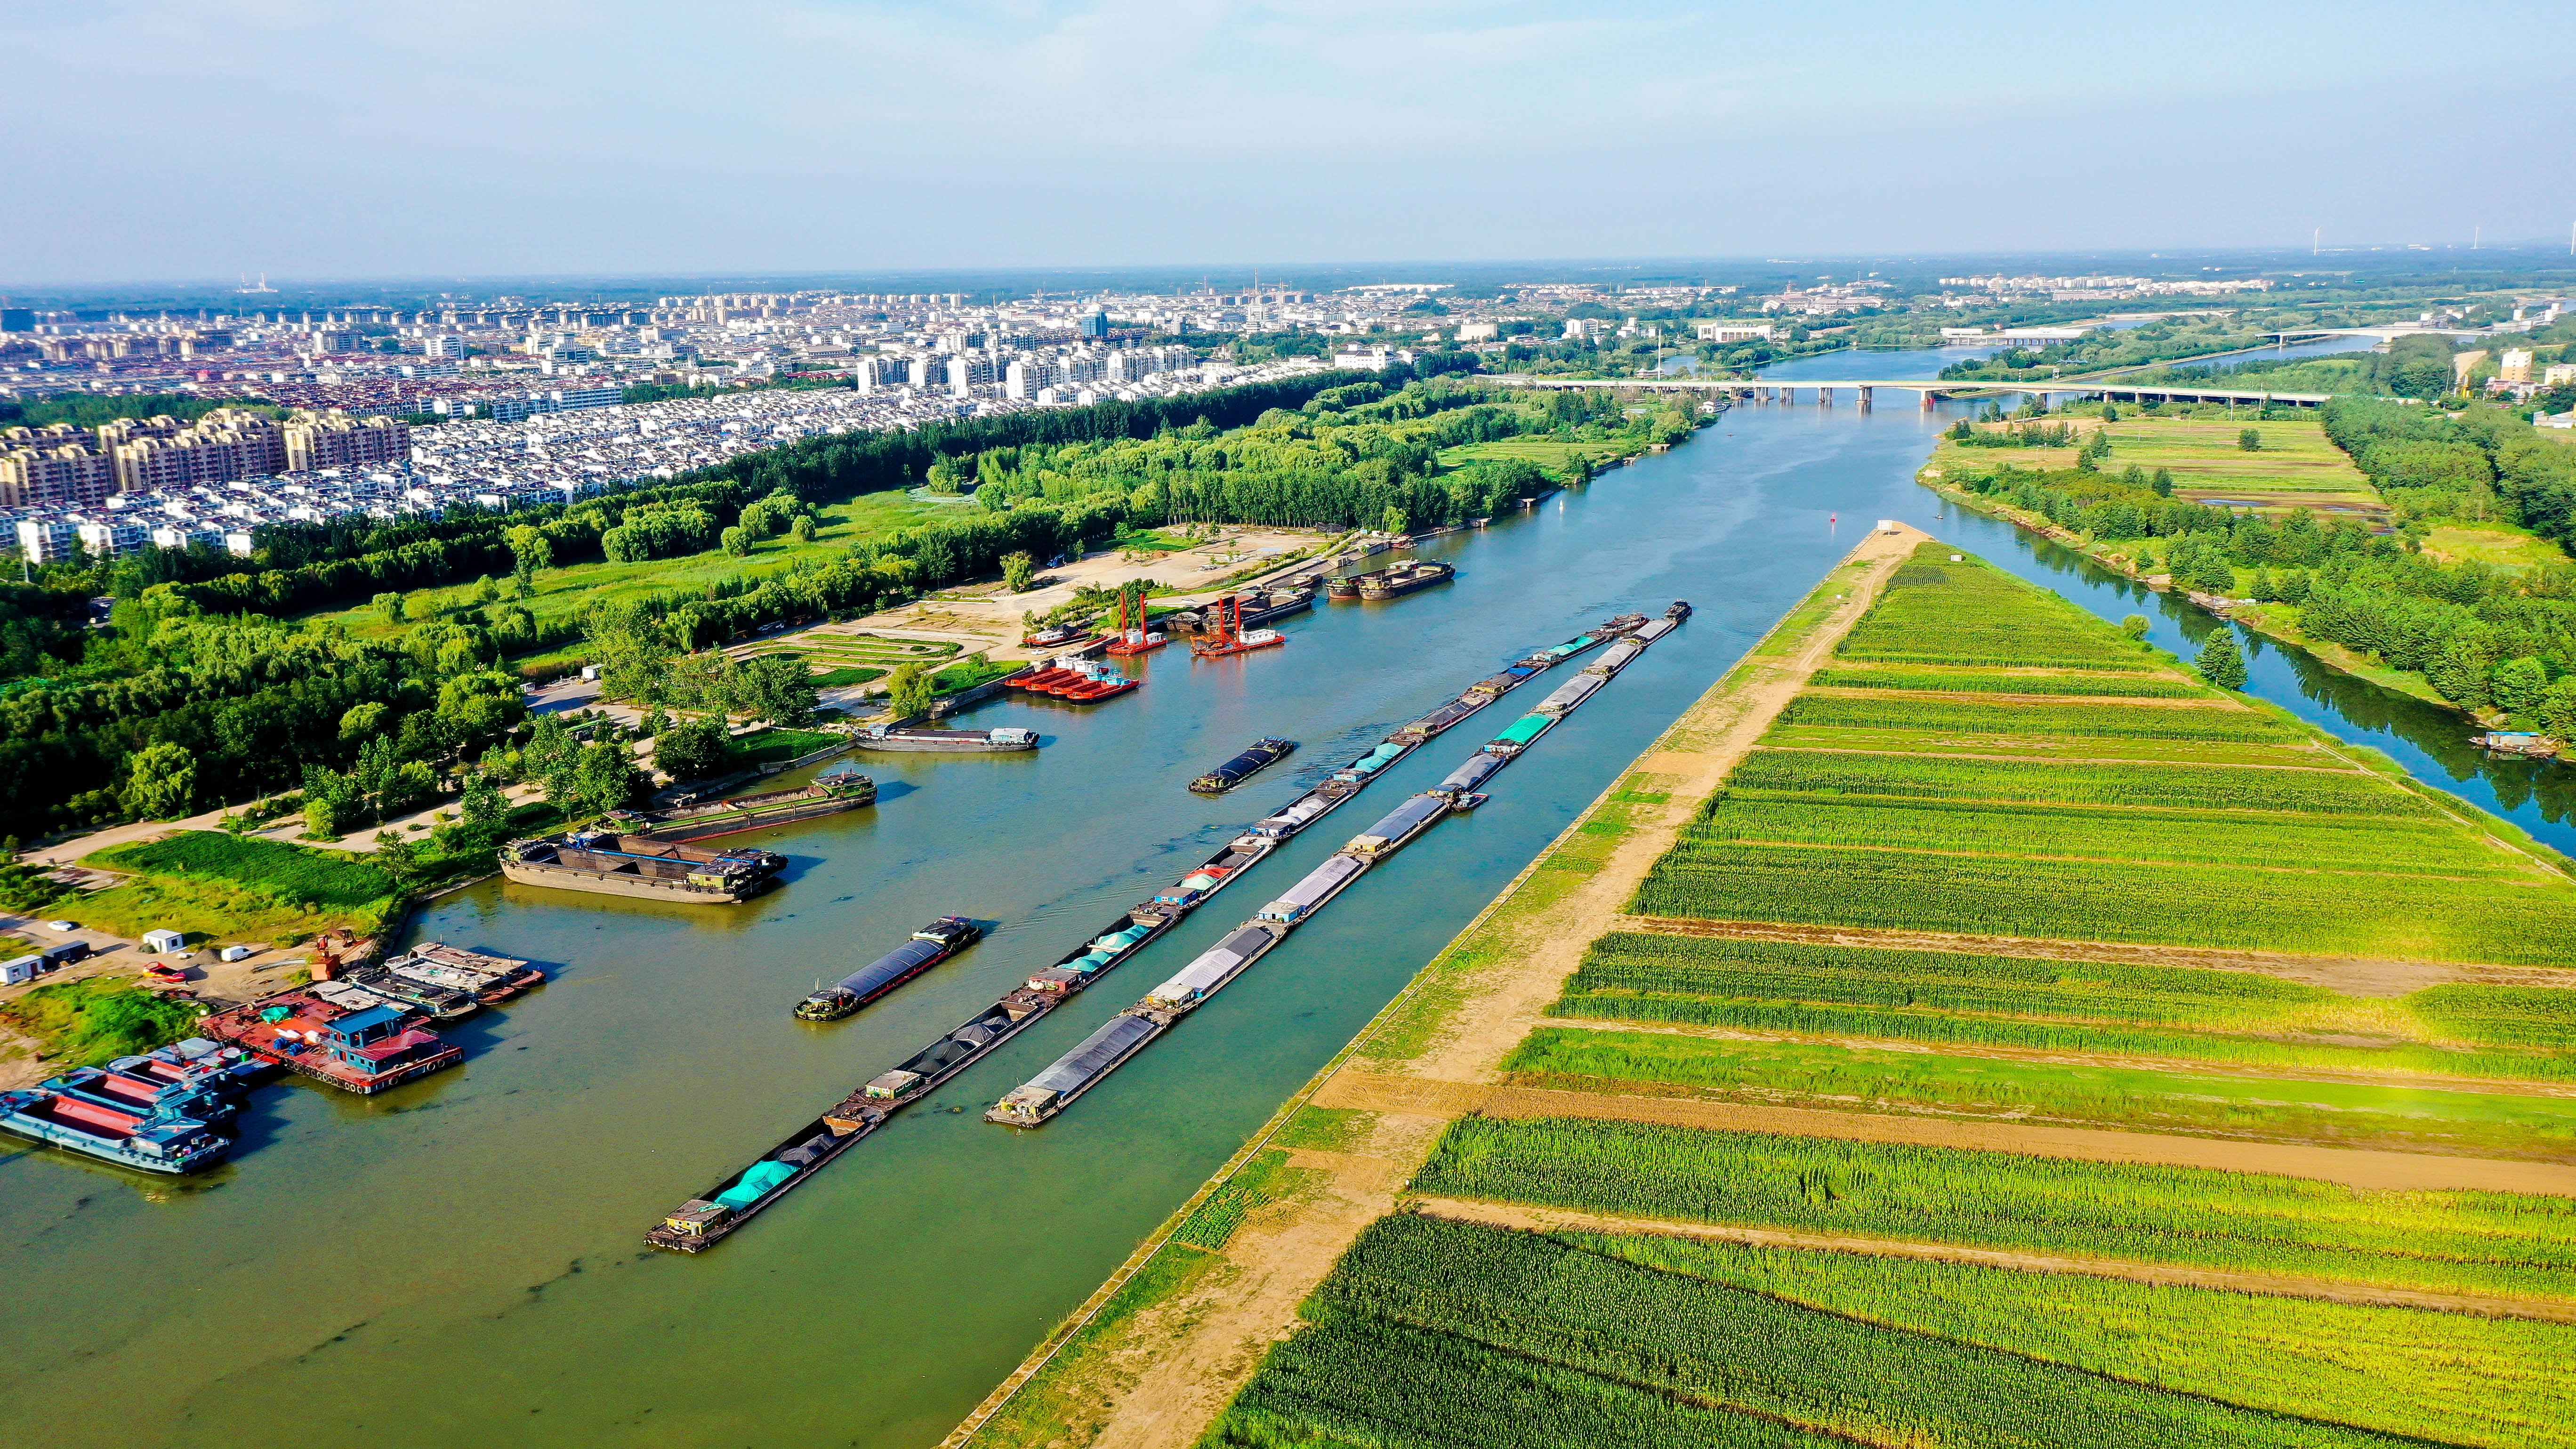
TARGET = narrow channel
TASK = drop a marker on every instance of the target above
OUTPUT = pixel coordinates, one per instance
(458, 1261)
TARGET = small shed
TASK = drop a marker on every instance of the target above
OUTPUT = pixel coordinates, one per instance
(20, 971)
(163, 941)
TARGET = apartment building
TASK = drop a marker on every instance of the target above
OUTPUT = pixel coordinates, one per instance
(70, 476)
(336, 440)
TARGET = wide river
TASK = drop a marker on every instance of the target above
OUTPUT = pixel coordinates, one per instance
(457, 1262)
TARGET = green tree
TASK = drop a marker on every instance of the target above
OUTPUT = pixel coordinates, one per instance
(738, 541)
(482, 807)
(605, 779)
(363, 721)
(395, 853)
(551, 759)
(632, 649)
(2556, 709)
(2164, 483)
(160, 781)
(2518, 684)
(391, 606)
(2251, 440)
(2135, 626)
(909, 690)
(330, 802)
(2220, 662)
(1019, 571)
(1395, 520)
(486, 591)
(693, 750)
(803, 528)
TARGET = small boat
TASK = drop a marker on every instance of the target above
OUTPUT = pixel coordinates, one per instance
(1260, 755)
(1680, 610)
(1241, 644)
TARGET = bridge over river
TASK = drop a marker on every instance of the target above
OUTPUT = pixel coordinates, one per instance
(1929, 390)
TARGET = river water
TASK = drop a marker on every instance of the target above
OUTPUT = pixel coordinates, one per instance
(457, 1261)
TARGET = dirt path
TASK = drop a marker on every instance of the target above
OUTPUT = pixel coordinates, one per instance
(1205, 1344)
(2353, 1167)
(1548, 1220)
(2350, 975)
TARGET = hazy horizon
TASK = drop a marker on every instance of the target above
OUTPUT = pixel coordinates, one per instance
(795, 137)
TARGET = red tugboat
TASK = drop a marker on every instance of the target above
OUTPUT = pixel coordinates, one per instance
(1227, 636)
(1134, 637)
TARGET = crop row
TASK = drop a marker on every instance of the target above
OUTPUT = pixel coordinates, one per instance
(2155, 786)
(1700, 1339)
(2069, 684)
(2136, 1097)
(2206, 837)
(2542, 1016)
(1973, 614)
(2214, 721)
(1633, 962)
(1357, 1382)
(2501, 1243)
(2405, 916)
(2468, 1380)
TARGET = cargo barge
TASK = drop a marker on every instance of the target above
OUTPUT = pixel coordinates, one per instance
(892, 739)
(1261, 755)
(1410, 576)
(1252, 608)
(1122, 1036)
(928, 947)
(1091, 1061)
(631, 865)
(707, 1219)
(142, 1139)
(690, 818)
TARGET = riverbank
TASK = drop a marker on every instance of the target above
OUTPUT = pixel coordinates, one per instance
(1160, 1346)
(2268, 622)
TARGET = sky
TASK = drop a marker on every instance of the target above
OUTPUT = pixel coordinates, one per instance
(362, 138)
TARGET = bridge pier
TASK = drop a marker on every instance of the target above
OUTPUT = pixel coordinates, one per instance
(1824, 397)
(1927, 400)
(1865, 399)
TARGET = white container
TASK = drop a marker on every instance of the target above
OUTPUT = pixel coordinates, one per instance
(163, 941)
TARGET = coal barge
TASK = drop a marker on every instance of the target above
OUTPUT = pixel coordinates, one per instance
(1261, 755)
(631, 865)
(928, 947)
(709, 1218)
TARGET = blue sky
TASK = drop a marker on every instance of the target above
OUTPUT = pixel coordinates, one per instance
(361, 138)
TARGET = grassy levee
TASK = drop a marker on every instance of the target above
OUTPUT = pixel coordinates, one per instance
(2077, 1065)
(1091, 1379)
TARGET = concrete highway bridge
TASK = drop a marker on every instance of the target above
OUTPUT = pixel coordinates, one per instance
(1929, 390)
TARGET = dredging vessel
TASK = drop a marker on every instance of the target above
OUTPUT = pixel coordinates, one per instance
(632, 865)
(893, 739)
(689, 818)
(928, 947)
(1260, 755)
(722, 1209)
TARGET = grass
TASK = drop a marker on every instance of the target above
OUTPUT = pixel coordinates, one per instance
(205, 884)
(2504, 547)
(777, 746)
(1554, 456)
(98, 1019)
(1865, 1079)
(2469, 1380)
(845, 676)
(970, 672)
(2494, 1243)
(1265, 1179)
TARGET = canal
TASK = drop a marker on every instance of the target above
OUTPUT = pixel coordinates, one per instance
(458, 1260)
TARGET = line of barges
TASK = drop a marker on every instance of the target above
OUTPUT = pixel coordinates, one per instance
(1092, 1060)
(721, 1210)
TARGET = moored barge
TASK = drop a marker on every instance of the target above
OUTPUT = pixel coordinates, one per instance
(1260, 755)
(928, 947)
(690, 818)
(631, 865)
(143, 1139)
(1404, 578)
(893, 739)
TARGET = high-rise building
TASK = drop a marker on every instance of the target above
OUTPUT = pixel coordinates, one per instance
(336, 440)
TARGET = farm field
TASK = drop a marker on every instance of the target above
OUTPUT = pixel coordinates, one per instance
(1961, 761)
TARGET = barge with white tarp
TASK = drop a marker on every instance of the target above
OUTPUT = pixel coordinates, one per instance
(927, 947)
